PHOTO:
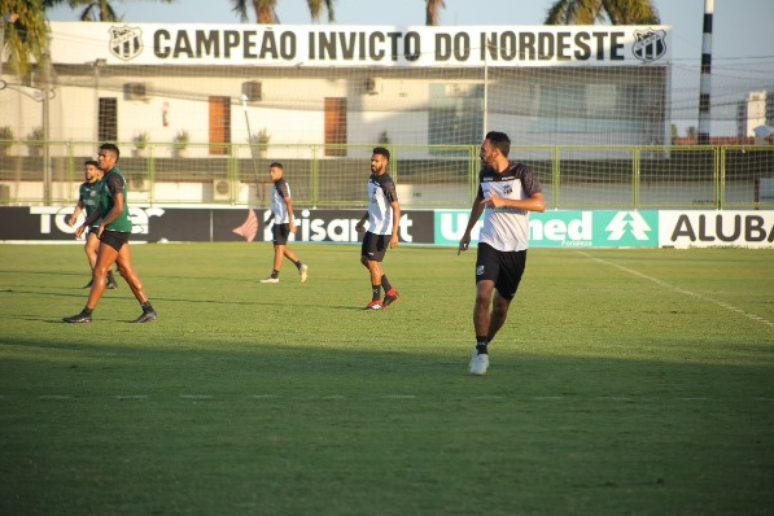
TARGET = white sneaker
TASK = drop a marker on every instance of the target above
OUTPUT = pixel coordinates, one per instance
(303, 270)
(479, 363)
(270, 280)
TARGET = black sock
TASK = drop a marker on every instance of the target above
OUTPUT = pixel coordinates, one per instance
(298, 264)
(482, 343)
(146, 307)
(275, 274)
(386, 283)
(375, 292)
(86, 310)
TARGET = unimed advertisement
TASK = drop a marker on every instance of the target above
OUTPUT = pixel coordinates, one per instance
(570, 228)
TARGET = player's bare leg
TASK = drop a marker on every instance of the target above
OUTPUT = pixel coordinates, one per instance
(481, 310)
(486, 324)
(375, 270)
(90, 248)
(106, 257)
(499, 313)
(124, 262)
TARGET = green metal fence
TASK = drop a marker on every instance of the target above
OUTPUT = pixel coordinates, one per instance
(428, 176)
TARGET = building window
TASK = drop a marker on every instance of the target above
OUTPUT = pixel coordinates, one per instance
(108, 120)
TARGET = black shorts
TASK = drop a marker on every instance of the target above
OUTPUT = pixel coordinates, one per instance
(375, 246)
(280, 233)
(504, 268)
(115, 239)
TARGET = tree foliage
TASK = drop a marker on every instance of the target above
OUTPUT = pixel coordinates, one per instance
(26, 38)
(615, 12)
(433, 11)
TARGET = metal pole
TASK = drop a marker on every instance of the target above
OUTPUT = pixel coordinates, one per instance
(47, 123)
(243, 98)
(705, 85)
(485, 118)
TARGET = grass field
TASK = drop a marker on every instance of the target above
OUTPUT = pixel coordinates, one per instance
(624, 382)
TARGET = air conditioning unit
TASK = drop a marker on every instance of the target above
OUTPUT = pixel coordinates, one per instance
(221, 190)
(135, 91)
(253, 90)
(372, 85)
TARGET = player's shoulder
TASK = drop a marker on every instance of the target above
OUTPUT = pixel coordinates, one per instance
(381, 180)
(518, 169)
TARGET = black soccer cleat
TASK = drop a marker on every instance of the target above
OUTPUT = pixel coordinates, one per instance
(111, 281)
(80, 318)
(147, 317)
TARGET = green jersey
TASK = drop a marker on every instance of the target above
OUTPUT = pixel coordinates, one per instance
(88, 197)
(111, 185)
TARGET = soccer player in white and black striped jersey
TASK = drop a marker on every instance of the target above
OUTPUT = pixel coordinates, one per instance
(507, 192)
(383, 218)
(284, 224)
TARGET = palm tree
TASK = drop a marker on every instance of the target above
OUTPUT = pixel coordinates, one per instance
(93, 10)
(616, 12)
(316, 7)
(266, 13)
(27, 36)
(433, 11)
(264, 10)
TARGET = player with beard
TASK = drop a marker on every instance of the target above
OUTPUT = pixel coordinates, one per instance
(88, 198)
(507, 192)
(113, 232)
(383, 218)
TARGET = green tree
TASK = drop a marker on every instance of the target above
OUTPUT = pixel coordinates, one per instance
(27, 36)
(615, 12)
(93, 10)
(316, 8)
(266, 12)
(433, 11)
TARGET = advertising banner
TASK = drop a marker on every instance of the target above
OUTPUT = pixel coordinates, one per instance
(557, 229)
(49, 224)
(716, 228)
(599, 228)
(120, 43)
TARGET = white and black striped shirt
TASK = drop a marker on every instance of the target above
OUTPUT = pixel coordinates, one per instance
(280, 191)
(507, 229)
(381, 192)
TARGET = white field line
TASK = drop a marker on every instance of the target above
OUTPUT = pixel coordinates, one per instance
(661, 283)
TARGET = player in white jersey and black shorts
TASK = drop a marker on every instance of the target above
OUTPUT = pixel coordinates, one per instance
(282, 213)
(383, 218)
(507, 192)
